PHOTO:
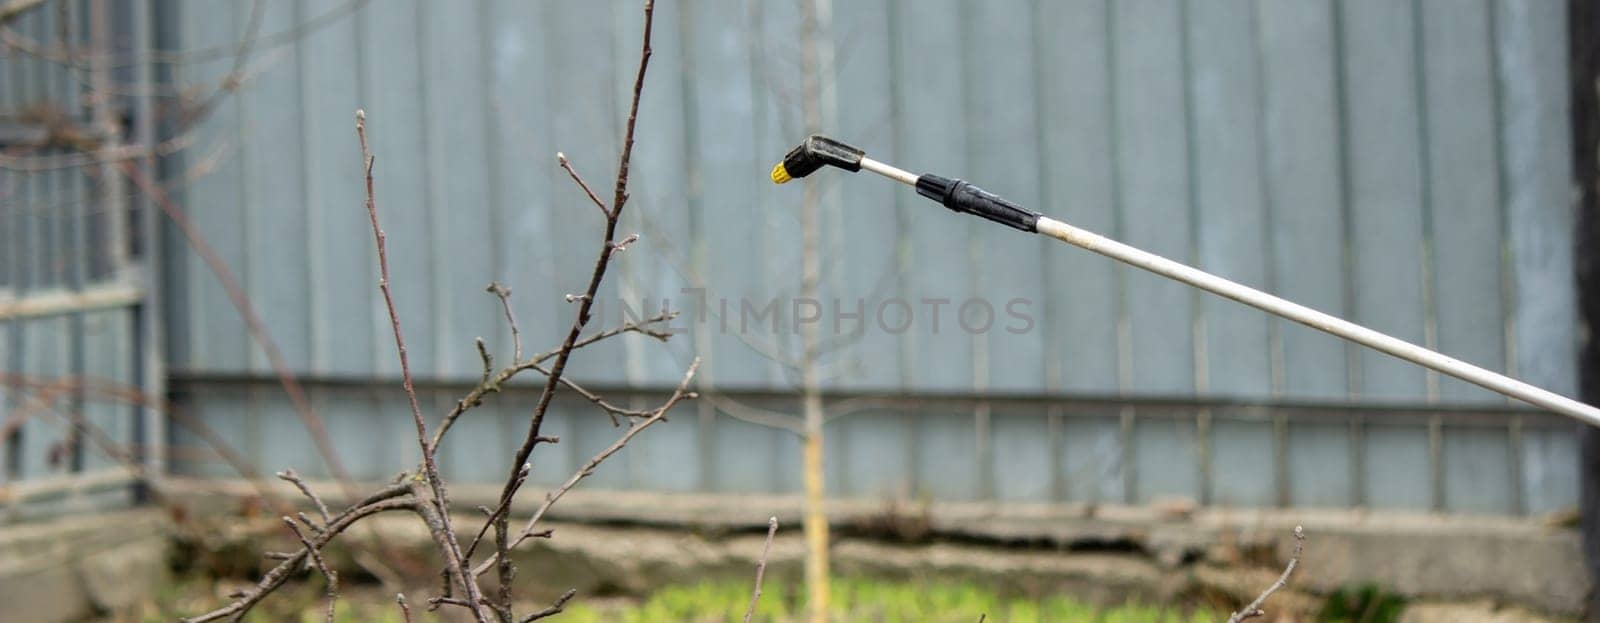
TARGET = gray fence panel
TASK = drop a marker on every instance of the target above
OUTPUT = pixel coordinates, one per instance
(1305, 198)
(1550, 469)
(777, 50)
(46, 343)
(874, 455)
(1463, 208)
(1332, 153)
(1226, 159)
(274, 220)
(1397, 469)
(1166, 457)
(1383, 180)
(461, 178)
(724, 177)
(108, 344)
(342, 302)
(929, 108)
(359, 432)
(1153, 190)
(1243, 463)
(391, 63)
(1320, 470)
(1002, 142)
(1096, 457)
(865, 235)
(1479, 462)
(948, 465)
(206, 318)
(1022, 464)
(1082, 305)
(1536, 138)
(657, 212)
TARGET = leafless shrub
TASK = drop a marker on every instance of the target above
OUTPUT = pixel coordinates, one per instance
(423, 492)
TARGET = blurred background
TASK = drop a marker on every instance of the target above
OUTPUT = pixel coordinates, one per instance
(1406, 165)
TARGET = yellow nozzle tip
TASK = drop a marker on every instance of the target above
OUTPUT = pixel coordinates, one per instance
(779, 174)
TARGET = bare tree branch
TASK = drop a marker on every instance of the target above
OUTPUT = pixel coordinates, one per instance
(495, 383)
(319, 564)
(610, 409)
(554, 609)
(761, 568)
(425, 492)
(585, 306)
(449, 546)
(290, 476)
(405, 608)
(495, 512)
(562, 158)
(281, 573)
(659, 415)
(754, 415)
(1253, 609)
(504, 294)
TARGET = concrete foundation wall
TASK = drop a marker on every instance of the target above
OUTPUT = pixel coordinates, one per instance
(71, 568)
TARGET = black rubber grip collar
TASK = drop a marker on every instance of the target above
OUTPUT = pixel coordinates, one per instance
(963, 197)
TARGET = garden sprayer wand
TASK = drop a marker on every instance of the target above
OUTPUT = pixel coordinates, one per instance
(819, 151)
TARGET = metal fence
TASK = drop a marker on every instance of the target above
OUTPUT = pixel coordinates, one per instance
(1405, 164)
(76, 293)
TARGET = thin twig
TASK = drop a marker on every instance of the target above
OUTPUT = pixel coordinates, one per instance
(486, 358)
(449, 546)
(281, 573)
(678, 395)
(611, 410)
(475, 397)
(761, 568)
(494, 513)
(553, 609)
(1254, 608)
(660, 414)
(585, 306)
(754, 415)
(405, 608)
(294, 478)
(319, 564)
(562, 158)
(504, 294)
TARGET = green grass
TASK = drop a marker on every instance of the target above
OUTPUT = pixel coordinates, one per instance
(856, 600)
(862, 600)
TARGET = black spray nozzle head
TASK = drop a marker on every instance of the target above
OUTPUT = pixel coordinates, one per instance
(812, 154)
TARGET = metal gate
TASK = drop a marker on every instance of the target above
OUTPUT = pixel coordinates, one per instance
(78, 327)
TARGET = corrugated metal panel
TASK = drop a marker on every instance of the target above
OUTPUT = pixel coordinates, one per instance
(1404, 164)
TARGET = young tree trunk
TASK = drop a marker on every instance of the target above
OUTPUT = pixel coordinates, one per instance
(816, 513)
(818, 579)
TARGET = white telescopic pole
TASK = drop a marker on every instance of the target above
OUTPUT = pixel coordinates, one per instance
(1326, 323)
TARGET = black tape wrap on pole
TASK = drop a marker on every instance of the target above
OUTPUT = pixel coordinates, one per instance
(964, 197)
